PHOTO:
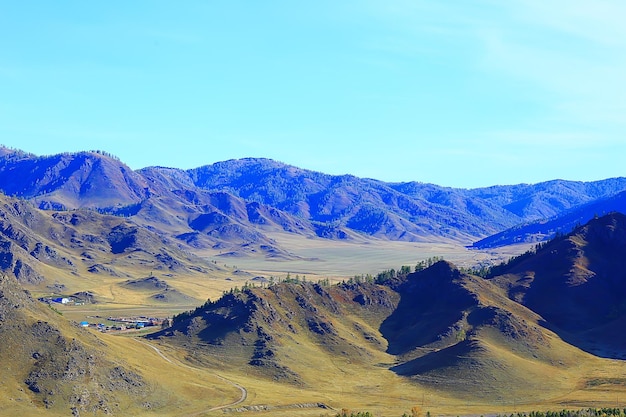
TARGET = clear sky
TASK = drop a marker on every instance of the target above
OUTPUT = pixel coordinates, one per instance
(457, 93)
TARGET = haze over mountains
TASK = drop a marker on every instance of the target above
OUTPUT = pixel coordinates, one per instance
(233, 204)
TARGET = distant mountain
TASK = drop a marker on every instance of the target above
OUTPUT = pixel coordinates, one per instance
(439, 327)
(546, 199)
(233, 205)
(402, 211)
(157, 198)
(561, 223)
(362, 205)
(70, 180)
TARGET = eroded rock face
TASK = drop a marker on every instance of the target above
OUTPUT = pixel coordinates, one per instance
(48, 255)
(65, 371)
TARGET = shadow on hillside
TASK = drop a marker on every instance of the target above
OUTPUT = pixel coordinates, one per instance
(607, 341)
(439, 359)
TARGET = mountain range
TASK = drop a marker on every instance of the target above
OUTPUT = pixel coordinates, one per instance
(233, 205)
(547, 324)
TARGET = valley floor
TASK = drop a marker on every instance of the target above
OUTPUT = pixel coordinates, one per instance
(321, 257)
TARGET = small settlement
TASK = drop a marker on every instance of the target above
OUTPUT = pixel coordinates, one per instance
(108, 324)
(127, 323)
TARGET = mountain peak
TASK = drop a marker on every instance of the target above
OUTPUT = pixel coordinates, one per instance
(608, 229)
(442, 270)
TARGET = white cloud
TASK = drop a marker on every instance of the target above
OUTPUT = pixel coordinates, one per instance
(575, 52)
(600, 21)
(567, 56)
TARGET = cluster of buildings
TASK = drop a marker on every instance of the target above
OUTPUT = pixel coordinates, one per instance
(119, 323)
(128, 323)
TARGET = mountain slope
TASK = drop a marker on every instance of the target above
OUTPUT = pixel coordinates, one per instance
(367, 206)
(52, 367)
(577, 284)
(85, 179)
(155, 197)
(82, 250)
(257, 328)
(547, 199)
(460, 332)
(399, 211)
(563, 223)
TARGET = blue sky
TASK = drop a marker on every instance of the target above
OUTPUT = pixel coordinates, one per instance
(463, 94)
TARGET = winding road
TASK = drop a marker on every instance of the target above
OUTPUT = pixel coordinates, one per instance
(243, 390)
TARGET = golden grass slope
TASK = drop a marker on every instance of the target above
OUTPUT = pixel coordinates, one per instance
(471, 348)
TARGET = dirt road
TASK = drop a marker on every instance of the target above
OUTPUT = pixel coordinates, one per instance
(244, 392)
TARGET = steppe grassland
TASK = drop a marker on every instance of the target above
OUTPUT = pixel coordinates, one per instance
(338, 259)
(344, 383)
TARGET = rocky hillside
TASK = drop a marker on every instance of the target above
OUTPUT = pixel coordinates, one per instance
(51, 366)
(72, 248)
(261, 324)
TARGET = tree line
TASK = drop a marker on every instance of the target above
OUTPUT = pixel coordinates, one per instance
(587, 412)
